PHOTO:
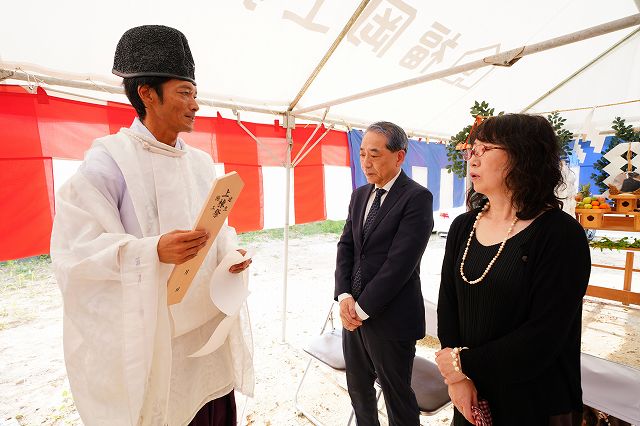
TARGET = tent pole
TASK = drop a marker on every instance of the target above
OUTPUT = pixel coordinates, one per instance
(289, 122)
(505, 59)
(584, 67)
(327, 55)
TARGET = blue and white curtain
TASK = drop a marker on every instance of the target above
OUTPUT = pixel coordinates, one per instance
(425, 163)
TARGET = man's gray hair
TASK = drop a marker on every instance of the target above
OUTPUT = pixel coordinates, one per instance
(396, 137)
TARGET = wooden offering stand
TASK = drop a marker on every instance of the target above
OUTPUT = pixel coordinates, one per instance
(625, 214)
(622, 217)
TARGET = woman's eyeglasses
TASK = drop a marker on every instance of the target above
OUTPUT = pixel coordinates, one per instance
(478, 151)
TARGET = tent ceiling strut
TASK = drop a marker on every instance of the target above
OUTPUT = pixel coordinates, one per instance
(505, 58)
(6, 74)
(327, 55)
(579, 71)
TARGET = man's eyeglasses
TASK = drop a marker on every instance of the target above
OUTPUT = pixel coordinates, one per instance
(478, 151)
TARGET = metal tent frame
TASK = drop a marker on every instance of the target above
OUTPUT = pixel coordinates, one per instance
(289, 116)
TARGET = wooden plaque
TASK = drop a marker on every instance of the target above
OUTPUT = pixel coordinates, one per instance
(223, 195)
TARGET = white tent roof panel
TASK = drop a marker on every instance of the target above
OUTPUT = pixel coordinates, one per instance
(260, 53)
(613, 78)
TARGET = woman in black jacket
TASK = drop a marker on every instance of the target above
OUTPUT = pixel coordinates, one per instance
(515, 270)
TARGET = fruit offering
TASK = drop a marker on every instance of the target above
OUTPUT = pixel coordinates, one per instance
(584, 200)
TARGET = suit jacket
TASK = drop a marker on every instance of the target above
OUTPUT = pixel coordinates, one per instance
(389, 258)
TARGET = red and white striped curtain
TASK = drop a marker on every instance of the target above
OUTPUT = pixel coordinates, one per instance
(38, 130)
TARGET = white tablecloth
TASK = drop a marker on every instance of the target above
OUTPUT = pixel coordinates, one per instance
(611, 387)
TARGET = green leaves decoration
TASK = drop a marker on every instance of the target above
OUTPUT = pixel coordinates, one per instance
(563, 135)
(457, 165)
(623, 243)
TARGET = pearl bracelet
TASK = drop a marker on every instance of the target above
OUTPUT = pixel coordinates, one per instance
(455, 360)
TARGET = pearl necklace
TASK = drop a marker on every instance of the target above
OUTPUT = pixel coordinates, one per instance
(473, 230)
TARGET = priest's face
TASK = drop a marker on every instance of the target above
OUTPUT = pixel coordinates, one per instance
(177, 111)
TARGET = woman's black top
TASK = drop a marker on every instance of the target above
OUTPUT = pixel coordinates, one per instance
(522, 323)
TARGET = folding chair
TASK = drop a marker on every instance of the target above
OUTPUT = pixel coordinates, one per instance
(326, 348)
(431, 391)
(427, 383)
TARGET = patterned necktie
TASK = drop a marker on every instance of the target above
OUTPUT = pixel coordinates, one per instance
(373, 212)
(356, 285)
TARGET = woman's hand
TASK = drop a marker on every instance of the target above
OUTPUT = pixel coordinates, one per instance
(445, 365)
(464, 395)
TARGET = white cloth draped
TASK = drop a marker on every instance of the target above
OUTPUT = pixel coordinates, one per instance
(611, 387)
(126, 351)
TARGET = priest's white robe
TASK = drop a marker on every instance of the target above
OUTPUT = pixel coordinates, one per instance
(126, 351)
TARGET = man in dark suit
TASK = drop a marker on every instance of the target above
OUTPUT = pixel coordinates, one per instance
(378, 278)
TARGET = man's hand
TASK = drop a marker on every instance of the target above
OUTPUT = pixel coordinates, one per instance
(239, 267)
(463, 395)
(179, 246)
(348, 315)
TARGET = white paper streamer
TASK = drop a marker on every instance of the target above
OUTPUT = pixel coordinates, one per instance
(217, 338)
(228, 291)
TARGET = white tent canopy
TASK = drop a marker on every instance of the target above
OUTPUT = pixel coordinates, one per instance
(258, 54)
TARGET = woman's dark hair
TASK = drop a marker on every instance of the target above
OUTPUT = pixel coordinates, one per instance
(533, 169)
(131, 90)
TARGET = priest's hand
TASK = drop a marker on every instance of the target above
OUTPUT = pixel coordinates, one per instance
(179, 246)
(239, 267)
